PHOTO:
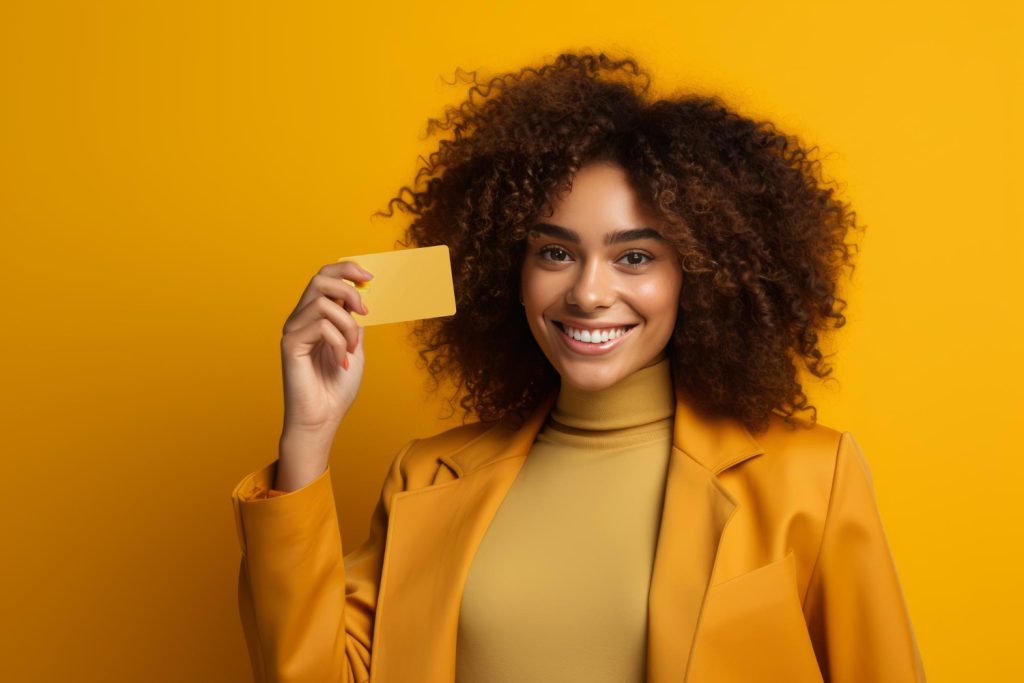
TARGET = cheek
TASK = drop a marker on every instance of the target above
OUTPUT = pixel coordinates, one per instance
(530, 285)
(658, 300)
(539, 289)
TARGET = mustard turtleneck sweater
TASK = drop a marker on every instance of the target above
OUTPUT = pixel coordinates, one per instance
(558, 587)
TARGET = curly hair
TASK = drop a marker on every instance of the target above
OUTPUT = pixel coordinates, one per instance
(761, 239)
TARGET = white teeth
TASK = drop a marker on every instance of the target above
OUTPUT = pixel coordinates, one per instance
(595, 337)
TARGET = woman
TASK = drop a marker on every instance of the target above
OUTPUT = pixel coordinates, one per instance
(638, 499)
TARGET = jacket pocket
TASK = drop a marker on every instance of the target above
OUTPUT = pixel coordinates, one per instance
(752, 630)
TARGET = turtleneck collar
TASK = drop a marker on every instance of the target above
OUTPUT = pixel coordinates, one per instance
(642, 398)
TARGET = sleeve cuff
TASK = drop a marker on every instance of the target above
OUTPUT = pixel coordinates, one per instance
(260, 509)
(259, 485)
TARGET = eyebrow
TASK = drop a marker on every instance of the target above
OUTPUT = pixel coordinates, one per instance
(610, 238)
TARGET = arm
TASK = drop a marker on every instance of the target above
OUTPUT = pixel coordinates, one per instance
(855, 610)
(307, 611)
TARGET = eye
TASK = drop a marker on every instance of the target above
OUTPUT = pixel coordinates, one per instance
(549, 250)
(555, 251)
(638, 253)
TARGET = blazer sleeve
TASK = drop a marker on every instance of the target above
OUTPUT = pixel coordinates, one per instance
(856, 613)
(307, 609)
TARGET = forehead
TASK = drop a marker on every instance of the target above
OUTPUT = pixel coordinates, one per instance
(598, 208)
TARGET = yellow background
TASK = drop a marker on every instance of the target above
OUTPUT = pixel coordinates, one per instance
(173, 173)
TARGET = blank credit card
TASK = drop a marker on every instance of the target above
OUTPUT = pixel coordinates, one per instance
(407, 284)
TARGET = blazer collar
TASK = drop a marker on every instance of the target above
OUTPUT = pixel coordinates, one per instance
(434, 533)
(714, 442)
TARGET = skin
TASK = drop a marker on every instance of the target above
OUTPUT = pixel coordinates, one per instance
(634, 282)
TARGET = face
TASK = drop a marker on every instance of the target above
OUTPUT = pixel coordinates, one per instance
(598, 265)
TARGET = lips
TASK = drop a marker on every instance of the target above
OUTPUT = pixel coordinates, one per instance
(562, 325)
(592, 326)
(591, 348)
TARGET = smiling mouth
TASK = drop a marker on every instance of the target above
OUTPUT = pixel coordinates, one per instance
(594, 346)
(561, 326)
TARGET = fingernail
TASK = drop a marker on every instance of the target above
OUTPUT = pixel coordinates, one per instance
(367, 273)
(365, 309)
(344, 363)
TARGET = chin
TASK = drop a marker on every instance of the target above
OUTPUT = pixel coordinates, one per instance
(591, 375)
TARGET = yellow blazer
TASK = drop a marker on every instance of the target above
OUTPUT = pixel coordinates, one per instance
(772, 563)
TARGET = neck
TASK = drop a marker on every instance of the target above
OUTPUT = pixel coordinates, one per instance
(641, 398)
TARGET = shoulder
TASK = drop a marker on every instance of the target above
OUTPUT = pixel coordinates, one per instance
(797, 464)
(800, 445)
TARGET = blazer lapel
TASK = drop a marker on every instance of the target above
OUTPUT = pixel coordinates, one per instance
(695, 512)
(433, 534)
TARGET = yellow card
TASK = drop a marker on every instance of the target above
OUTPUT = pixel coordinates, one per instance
(407, 284)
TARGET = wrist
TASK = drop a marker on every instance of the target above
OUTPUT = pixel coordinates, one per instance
(303, 456)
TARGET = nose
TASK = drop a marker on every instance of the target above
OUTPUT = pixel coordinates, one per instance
(593, 288)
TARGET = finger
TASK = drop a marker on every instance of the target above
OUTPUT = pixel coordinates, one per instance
(340, 268)
(345, 294)
(329, 280)
(330, 310)
(342, 293)
(307, 337)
